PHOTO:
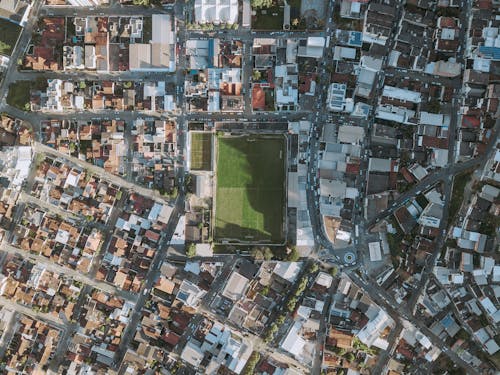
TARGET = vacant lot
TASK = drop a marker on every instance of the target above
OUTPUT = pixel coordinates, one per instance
(271, 20)
(201, 151)
(9, 32)
(457, 196)
(250, 194)
(19, 95)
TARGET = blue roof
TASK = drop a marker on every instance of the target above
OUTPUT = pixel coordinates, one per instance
(211, 50)
(447, 321)
(355, 38)
(182, 296)
(120, 223)
(155, 211)
(145, 224)
(490, 52)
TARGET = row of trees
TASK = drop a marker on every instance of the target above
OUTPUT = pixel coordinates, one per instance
(262, 4)
(265, 253)
(191, 250)
(262, 253)
(211, 26)
(252, 362)
(291, 304)
(280, 320)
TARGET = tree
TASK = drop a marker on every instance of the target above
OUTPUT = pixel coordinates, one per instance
(265, 290)
(350, 357)
(262, 253)
(191, 250)
(293, 256)
(268, 254)
(249, 368)
(188, 183)
(270, 333)
(174, 193)
(334, 271)
(313, 268)
(257, 254)
(303, 283)
(295, 22)
(4, 48)
(280, 319)
(434, 106)
(259, 4)
(256, 75)
(290, 305)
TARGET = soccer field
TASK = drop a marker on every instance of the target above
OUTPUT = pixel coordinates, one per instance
(250, 195)
(201, 151)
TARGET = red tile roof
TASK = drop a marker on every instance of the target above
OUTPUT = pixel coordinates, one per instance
(484, 4)
(352, 168)
(258, 98)
(171, 338)
(434, 142)
(470, 122)
(447, 22)
(407, 175)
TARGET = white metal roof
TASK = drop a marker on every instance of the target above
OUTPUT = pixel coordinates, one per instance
(402, 94)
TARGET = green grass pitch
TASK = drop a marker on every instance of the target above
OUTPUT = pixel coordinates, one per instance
(250, 193)
(201, 151)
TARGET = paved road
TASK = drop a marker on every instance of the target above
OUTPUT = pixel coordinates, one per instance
(18, 51)
(29, 75)
(386, 355)
(383, 299)
(44, 317)
(444, 175)
(71, 327)
(401, 74)
(56, 268)
(317, 117)
(323, 332)
(150, 278)
(8, 333)
(448, 195)
(129, 10)
(26, 198)
(101, 173)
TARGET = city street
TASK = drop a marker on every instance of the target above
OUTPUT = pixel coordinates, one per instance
(247, 120)
(386, 301)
